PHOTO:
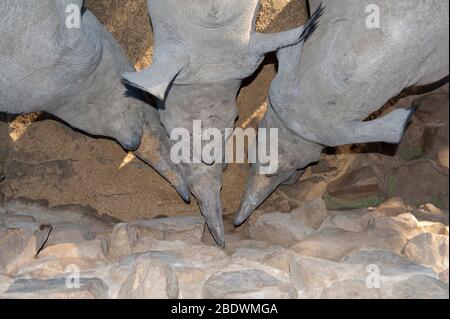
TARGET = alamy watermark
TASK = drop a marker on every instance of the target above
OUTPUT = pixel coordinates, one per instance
(73, 277)
(373, 19)
(373, 280)
(210, 146)
(73, 19)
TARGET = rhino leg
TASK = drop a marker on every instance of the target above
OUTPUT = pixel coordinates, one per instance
(389, 129)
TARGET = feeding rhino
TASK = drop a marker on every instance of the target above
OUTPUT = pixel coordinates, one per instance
(326, 88)
(203, 51)
(75, 75)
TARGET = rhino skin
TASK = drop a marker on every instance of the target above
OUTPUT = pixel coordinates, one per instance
(326, 87)
(203, 50)
(75, 75)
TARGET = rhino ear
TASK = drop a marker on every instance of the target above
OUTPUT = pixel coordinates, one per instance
(156, 79)
(170, 58)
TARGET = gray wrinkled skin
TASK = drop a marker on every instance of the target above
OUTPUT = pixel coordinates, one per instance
(344, 73)
(75, 74)
(203, 50)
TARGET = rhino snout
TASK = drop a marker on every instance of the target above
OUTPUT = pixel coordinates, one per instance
(131, 142)
(129, 130)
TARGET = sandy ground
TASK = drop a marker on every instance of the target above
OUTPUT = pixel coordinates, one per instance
(48, 160)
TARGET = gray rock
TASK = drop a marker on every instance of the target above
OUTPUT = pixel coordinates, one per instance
(443, 276)
(189, 229)
(280, 259)
(314, 274)
(19, 244)
(251, 284)
(430, 250)
(350, 289)
(57, 288)
(353, 221)
(122, 240)
(312, 213)
(419, 287)
(150, 278)
(279, 228)
(190, 282)
(90, 252)
(5, 282)
(388, 263)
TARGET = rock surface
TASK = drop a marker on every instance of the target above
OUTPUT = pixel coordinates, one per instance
(71, 252)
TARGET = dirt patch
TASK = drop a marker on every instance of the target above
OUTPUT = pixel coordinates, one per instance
(49, 160)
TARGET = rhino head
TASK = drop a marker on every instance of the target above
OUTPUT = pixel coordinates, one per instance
(203, 51)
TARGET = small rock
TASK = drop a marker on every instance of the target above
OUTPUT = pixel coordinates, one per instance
(419, 182)
(352, 221)
(312, 213)
(19, 244)
(405, 224)
(431, 250)
(280, 259)
(350, 289)
(67, 233)
(189, 229)
(306, 190)
(204, 257)
(10, 218)
(392, 207)
(434, 228)
(253, 254)
(151, 279)
(443, 157)
(57, 288)
(240, 243)
(358, 189)
(44, 268)
(87, 251)
(443, 276)
(429, 212)
(2, 200)
(314, 274)
(5, 282)
(279, 228)
(190, 282)
(146, 244)
(389, 264)
(249, 284)
(334, 244)
(330, 243)
(122, 240)
(418, 287)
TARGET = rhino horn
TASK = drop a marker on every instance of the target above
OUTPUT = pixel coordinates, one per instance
(211, 208)
(155, 151)
(258, 188)
(205, 182)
